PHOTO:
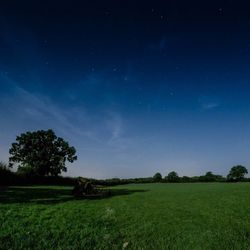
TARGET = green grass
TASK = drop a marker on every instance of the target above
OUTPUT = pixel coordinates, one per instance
(146, 216)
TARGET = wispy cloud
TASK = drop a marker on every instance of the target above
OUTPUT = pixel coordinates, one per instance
(31, 111)
(114, 124)
(210, 105)
(208, 102)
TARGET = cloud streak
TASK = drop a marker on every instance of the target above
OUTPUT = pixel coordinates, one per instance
(210, 105)
(208, 102)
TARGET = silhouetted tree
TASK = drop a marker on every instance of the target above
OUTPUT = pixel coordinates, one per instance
(6, 175)
(186, 179)
(157, 177)
(41, 152)
(4, 166)
(26, 171)
(172, 177)
(209, 176)
(237, 173)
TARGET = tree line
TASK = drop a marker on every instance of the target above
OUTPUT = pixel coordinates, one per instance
(41, 157)
(236, 173)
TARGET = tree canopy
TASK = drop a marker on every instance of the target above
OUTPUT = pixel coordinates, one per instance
(42, 152)
(237, 173)
(157, 177)
(172, 177)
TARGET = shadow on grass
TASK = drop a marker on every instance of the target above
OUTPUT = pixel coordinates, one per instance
(51, 195)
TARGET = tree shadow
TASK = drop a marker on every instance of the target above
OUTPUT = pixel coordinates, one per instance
(53, 195)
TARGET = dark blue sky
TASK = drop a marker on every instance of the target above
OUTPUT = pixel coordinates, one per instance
(136, 87)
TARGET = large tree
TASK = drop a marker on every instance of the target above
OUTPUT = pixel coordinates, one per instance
(172, 177)
(41, 151)
(237, 173)
(157, 177)
(209, 176)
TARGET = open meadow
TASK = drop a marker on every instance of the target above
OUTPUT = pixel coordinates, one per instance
(136, 216)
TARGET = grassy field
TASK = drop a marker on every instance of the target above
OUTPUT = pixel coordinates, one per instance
(146, 216)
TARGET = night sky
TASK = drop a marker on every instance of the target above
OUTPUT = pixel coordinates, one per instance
(136, 86)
